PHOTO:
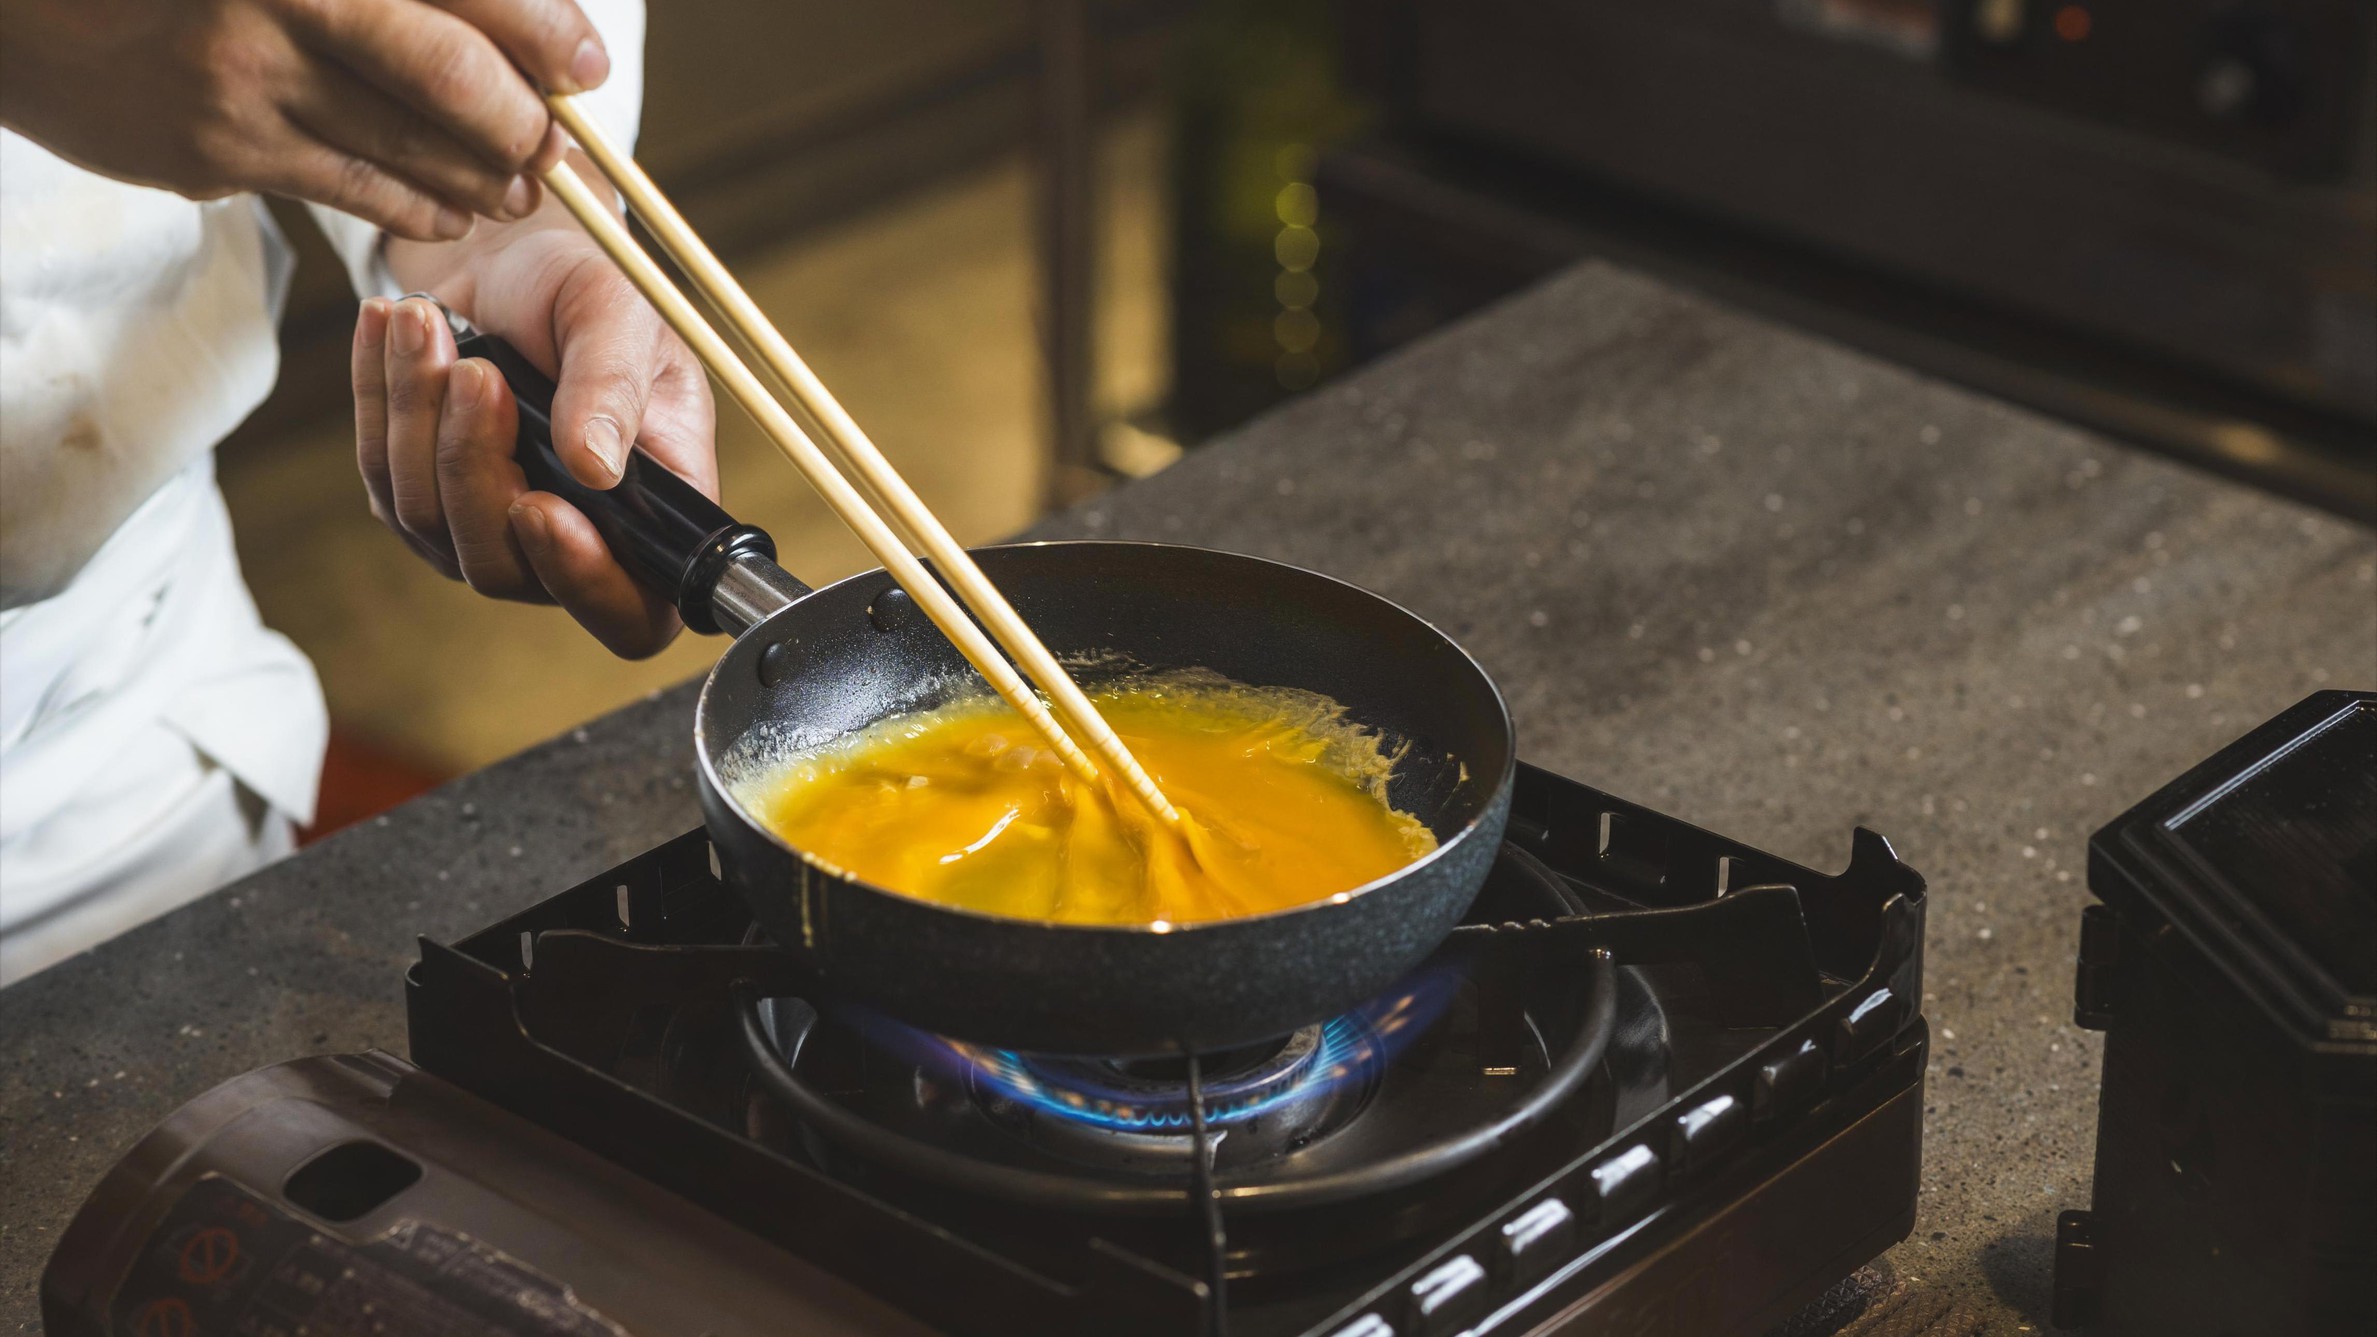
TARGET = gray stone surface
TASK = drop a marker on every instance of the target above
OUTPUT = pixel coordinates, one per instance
(1752, 579)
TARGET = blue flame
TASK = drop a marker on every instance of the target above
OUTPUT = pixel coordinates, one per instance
(1354, 1047)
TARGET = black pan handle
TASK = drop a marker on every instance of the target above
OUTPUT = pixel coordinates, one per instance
(670, 537)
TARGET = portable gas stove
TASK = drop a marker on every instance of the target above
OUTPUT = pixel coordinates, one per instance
(1660, 1082)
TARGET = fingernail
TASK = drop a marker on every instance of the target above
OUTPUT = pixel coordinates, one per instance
(371, 327)
(519, 199)
(467, 383)
(590, 66)
(602, 437)
(531, 523)
(408, 330)
(453, 224)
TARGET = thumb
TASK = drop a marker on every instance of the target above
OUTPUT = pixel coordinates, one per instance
(607, 340)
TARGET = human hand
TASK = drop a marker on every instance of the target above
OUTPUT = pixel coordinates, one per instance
(413, 114)
(434, 436)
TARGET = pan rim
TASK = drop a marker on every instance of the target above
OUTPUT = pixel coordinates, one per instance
(1444, 848)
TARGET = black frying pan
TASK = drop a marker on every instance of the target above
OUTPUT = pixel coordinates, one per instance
(809, 665)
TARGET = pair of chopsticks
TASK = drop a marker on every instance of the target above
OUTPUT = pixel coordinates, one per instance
(852, 450)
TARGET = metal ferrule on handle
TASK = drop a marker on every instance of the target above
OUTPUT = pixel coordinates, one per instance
(751, 589)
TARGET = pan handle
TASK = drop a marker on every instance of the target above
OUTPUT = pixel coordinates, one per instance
(719, 572)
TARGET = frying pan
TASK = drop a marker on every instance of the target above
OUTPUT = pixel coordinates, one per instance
(809, 665)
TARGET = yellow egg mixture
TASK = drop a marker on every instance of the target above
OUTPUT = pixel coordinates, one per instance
(1285, 804)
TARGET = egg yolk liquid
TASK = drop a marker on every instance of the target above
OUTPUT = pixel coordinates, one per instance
(964, 805)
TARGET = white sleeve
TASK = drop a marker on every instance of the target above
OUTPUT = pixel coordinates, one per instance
(617, 106)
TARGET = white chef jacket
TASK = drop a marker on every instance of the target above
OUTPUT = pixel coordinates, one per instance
(156, 739)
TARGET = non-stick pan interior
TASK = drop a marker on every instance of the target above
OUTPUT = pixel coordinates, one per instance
(857, 651)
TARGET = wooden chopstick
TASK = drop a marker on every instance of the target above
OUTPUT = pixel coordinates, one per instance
(840, 496)
(715, 354)
(859, 454)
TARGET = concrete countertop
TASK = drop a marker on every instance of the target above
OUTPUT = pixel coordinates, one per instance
(1749, 578)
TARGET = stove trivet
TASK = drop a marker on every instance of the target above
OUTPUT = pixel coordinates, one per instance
(1113, 1136)
(1754, 1104)
(776, 1032)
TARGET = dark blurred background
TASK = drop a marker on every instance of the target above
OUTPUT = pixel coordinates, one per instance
(2155, 217)
(1042, 246)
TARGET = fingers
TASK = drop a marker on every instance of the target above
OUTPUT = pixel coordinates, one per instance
(313, 170)
(515, 544)
(478, 482)
(362, 124)
(445, 69)
(550, 40)
(680, 426)
(570, 560)
(434, 440)
(368, 373)
(418, 352)
(610, 343)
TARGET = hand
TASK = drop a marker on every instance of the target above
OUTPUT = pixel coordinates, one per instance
(412, 114)
(434, 436)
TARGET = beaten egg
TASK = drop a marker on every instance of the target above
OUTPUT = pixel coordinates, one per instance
(1284, 803)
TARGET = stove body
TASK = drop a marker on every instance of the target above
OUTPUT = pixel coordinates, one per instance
(1660, 1083)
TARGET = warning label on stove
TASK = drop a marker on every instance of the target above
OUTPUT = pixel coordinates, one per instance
(227, 1263)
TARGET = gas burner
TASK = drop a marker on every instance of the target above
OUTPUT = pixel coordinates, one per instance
(1151, 1095)
(1133, 1114)
(1262, 1101)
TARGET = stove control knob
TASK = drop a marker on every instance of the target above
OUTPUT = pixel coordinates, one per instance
(1707, 1131)
(1873, 1020)
(1625, 1183)
(1787, 1084)
(1450, 1298)
(1536, 1241)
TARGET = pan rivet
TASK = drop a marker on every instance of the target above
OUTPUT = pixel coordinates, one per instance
(891, 609)
(778, 662)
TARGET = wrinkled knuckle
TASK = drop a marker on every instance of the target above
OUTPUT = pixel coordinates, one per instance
(624, 375)
(406, 396)
(551, 33)
(488, 570)
(419, 517)
(459, 473)
(398, 140)
(593, 289)
(450, 78)
(464, 81)
(355, 187)
(450, 455)
(221, 150)
(227, 61)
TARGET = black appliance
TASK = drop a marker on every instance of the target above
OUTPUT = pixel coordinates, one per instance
(2233, 969)
(2154, 217)
(1658, 1082)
